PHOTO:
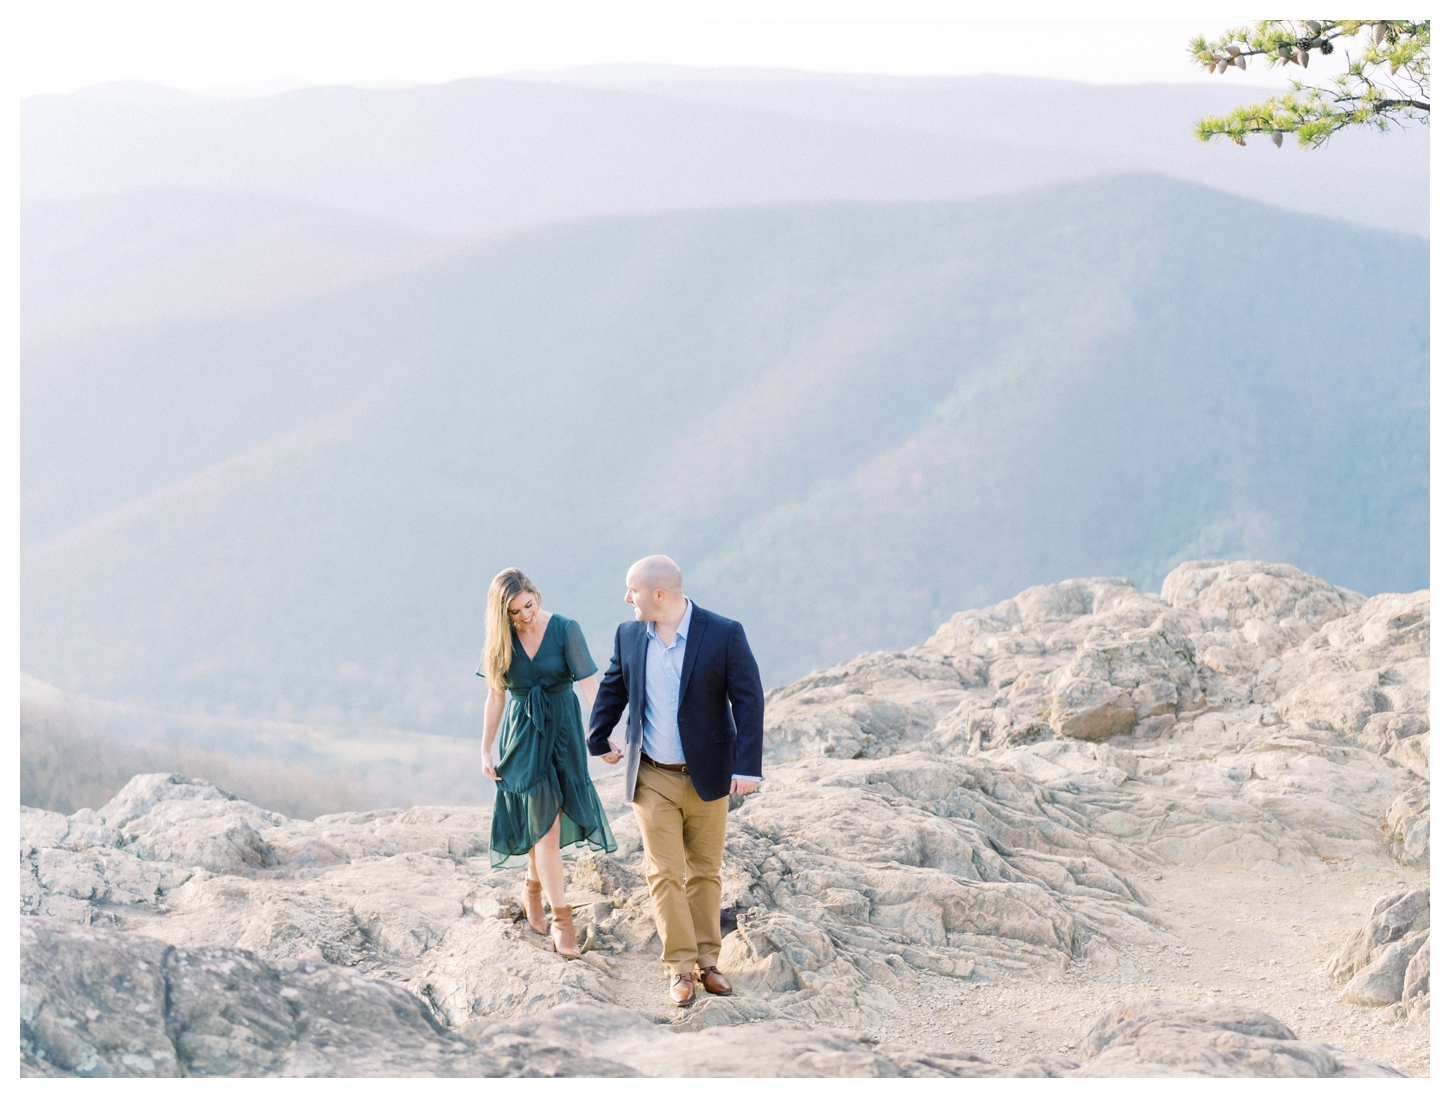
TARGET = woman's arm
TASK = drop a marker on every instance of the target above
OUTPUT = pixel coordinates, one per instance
(588, 691)
(492, 714)
(613, 696)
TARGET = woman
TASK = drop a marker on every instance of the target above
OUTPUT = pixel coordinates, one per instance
(544, 799)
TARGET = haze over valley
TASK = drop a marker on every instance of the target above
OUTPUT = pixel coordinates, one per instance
(281, 413)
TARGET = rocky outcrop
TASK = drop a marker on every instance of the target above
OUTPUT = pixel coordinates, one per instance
(1093, 659)
(1407, 827)
(985, 808)
(97, 1002)
(1262, 714)
(1387, 961)
(1145, 1039)
(101, 1003)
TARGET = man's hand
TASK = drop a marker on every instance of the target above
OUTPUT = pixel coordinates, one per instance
(740, 786)
(613, 755)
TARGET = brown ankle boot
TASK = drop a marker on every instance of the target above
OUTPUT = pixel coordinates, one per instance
(534, 906)
(562, 932)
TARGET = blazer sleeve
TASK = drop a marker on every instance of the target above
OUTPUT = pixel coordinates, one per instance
(609, 703)
(747, 701)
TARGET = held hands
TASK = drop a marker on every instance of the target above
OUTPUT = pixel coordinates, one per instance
(615, 754)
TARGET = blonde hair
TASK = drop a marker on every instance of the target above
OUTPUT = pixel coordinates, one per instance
(498, 643)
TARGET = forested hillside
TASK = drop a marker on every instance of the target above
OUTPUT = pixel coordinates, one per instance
(846, 420)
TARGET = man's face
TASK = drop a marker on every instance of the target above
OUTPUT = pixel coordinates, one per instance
(646, 602)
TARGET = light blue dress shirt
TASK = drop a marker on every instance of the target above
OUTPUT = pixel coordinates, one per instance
(664, 664)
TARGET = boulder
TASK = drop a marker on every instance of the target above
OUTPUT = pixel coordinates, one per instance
(103, 1003)
(1407, 827)
(1165, 1039)
(1241, 591)
(1382, 981)
(1393, 918)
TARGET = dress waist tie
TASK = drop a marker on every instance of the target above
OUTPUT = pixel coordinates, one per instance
(534, 703)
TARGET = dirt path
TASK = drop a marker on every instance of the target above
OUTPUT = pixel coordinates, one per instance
(1256, 939)
(1253, 939)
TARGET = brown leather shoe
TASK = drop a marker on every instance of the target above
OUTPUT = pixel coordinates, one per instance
(713, 981)
(682, 989)
(562, 933)
(533, 904)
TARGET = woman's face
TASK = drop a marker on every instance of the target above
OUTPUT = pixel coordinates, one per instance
(522, 608)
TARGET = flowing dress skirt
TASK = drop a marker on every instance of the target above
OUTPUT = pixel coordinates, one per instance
(543, 771)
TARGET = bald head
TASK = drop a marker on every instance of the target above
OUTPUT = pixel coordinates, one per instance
(655, 588)
(658, 572)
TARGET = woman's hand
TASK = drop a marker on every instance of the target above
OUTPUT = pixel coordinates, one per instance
(492, 714)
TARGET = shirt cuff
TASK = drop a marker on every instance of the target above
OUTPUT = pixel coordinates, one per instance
(744, 778)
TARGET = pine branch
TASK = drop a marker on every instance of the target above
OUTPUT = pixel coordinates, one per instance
(1388, 82)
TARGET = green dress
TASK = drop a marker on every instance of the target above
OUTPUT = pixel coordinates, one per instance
(542, 766)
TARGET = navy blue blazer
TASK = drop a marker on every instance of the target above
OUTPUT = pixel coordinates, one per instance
(722, 704)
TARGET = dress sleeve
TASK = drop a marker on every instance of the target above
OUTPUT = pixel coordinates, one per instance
(576, 652)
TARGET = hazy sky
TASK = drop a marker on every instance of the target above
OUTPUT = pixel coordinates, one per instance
(249, 46)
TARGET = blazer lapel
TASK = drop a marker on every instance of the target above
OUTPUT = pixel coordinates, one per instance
(699, 622)
(636, 679)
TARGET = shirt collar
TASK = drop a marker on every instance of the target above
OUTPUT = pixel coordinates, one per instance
(682, 631)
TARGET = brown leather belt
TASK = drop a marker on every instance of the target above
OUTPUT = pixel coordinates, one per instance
(673, 768)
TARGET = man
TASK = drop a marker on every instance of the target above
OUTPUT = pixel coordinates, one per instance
(696, 723)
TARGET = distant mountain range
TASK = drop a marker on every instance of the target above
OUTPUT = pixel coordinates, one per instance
(140, 202)
(489, 155)
(847, 420)
(131, 258)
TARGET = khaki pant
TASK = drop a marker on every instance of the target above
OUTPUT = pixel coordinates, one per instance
(684, 842)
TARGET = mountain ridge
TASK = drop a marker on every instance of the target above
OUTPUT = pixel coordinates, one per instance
(1030, 355)
(491, 153)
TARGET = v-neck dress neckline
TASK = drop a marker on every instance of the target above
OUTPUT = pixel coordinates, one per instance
(544, 636)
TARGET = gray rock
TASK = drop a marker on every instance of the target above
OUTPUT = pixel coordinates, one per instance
(982, 806)
(1407, 827)
(625, 1038)
(1417, 974)
(1393, 918)
(103, 1003)
(1242, 591)
(171, 818)
(1155, 1038)
(93, 1002)
(1382, 981)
